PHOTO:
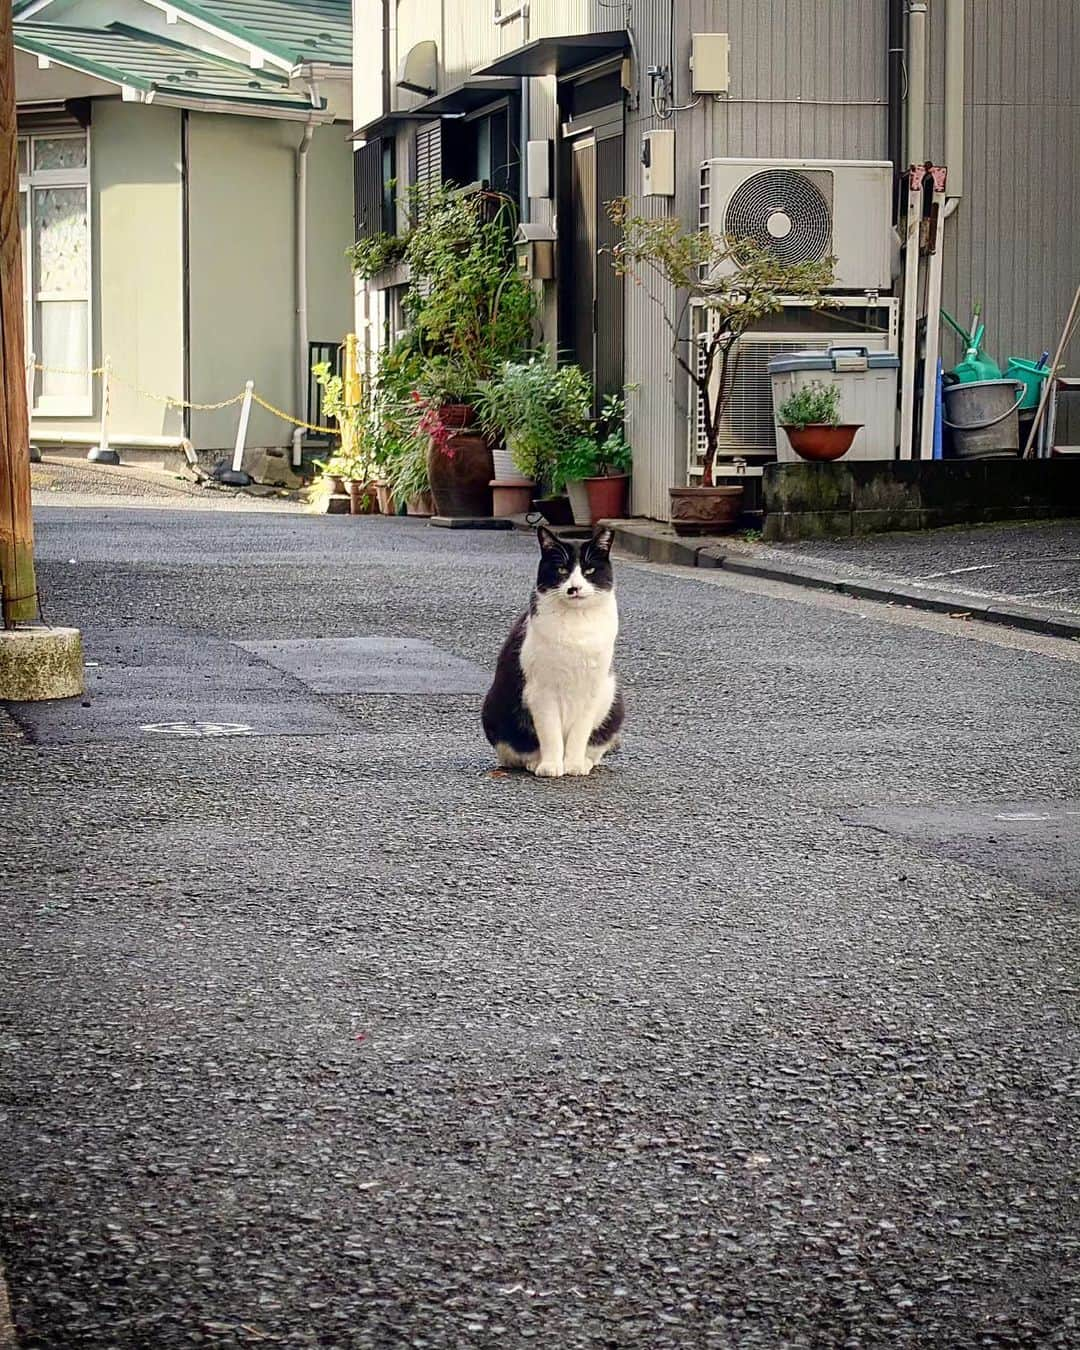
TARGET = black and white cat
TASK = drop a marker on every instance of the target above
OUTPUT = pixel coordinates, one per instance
(554, 707)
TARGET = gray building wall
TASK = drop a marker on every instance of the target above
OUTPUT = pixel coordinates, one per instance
(809, 80)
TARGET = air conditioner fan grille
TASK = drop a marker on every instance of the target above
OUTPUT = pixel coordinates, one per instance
(784, 212)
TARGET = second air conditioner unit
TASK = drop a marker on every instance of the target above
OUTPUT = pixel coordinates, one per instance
(803, 210)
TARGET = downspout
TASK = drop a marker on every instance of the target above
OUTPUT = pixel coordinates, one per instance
(302, 372)
(894, 150)
(185, 265)
(916, 97)
(955, 39)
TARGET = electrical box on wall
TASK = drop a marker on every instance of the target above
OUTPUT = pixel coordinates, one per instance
(535, 249)
(538, 169)
(658, 164)
(710, 63)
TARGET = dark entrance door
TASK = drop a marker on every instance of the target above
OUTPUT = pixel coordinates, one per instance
(590, 294)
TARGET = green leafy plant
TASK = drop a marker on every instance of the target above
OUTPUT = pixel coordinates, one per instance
(815, 404)
(577, 459)
(615, 454)
(376, 253)
(468, 303)
(541, 410)
(738, 283)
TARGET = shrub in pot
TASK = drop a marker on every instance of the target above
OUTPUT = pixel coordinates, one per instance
(738, 282)
(538, 410)
(811, 419)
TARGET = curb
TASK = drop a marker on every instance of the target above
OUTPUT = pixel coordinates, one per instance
(660, 548)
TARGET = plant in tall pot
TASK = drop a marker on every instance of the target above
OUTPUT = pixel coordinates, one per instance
(470, 310)
(737, 283)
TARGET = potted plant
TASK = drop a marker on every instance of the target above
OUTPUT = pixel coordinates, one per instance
(578, 461)
(811, 418)
(471, 310)
(538, 410)
(607, 487)
(737, 282)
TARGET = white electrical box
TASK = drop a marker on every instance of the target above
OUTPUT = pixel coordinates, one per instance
(710, 63)
(658, 164)
(538, 168)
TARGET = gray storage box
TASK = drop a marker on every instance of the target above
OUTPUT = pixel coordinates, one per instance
(867, 381)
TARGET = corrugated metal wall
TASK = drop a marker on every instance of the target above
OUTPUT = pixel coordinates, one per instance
(1014, 242)
(808, 80)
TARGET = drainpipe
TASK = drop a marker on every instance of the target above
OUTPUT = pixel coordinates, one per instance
(955, 25)
(302, 372)
(501, 19)
(895, 134)
(916, 100)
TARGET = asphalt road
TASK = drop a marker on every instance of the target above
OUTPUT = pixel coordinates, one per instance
(320, 1033)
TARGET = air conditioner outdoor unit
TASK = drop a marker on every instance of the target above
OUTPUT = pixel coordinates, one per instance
(803, 210)
(748, 427)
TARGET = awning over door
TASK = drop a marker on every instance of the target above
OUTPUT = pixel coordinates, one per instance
(558, 55)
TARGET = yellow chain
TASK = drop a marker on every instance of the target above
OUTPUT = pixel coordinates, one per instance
(170, 402)
(308, 426)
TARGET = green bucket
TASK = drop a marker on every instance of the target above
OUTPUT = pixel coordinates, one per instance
(1030, 376)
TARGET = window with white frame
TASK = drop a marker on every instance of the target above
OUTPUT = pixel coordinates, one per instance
(54, 212)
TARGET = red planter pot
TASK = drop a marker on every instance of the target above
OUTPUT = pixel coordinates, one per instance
(820, 442)
(607, 497)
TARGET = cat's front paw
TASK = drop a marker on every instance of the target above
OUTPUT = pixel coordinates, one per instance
(549, 768)
(577, 768)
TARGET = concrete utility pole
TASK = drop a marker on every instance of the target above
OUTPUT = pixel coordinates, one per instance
(35, 662)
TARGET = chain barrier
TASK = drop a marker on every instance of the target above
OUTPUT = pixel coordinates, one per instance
(168, 401)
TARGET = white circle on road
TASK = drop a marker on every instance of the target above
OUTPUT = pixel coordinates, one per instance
(197, 728)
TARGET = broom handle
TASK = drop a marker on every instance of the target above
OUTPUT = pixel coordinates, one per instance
(1044, 394)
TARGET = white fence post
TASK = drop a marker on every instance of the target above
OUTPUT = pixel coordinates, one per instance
(103, 453)
(236, 477)
(31, 361)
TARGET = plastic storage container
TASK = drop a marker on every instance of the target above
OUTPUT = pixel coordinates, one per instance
(867, 380)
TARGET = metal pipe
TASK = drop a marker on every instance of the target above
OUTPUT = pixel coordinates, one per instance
(916, 96)
(955, 35)
(501, 19)
(302, 372)
(894, 138)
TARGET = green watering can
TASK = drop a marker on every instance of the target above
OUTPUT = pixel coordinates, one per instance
(975, 365)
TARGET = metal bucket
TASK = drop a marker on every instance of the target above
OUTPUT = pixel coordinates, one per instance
(982, 416)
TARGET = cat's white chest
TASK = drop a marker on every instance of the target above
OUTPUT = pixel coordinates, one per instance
(567, 653)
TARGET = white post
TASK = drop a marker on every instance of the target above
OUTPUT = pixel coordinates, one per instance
(911, 318)
(31, 360)
(933, 314)
(236, 477)
(102, 453)
(242, 426)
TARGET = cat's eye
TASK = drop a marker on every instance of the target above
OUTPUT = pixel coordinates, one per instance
(589, 571)
(564, 571)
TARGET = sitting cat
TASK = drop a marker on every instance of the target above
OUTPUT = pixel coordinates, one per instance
(554, 707)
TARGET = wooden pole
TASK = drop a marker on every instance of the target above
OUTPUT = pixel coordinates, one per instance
(19, 594)
(1045, 391)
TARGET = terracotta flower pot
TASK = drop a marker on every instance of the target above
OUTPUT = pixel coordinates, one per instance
(363, 498)
(819, 441)
(387, 504)
(607, 497)
(420, 504)
(511, 498)
(704, 510)
(460, 475)
(337, 485)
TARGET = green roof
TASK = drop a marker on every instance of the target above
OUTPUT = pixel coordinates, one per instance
(151, 64)
(296, 31)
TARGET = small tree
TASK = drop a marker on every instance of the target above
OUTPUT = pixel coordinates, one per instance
(691, 268)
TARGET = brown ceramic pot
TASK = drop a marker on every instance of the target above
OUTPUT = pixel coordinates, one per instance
(607, 497)
(511, 498)
(387, 504)
(820, 441)
(704, 510)
(460, 475)
(363, 498)
(420, 504)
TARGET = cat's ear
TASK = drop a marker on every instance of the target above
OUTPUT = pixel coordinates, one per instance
(602, 540)
(549, 543)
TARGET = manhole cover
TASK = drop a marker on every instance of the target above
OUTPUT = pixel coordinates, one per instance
(197, 729)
